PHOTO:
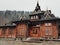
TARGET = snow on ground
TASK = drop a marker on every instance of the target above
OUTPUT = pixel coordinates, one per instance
(18, 42)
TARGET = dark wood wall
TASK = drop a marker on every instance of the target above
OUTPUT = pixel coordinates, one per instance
(43, 30)
(22, 30)
(39, 30)
(8, 32)
(50, 31)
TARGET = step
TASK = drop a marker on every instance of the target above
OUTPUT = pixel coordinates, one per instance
(7, 39)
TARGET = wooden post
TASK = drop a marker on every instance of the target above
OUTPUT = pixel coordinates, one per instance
(57, 27)
(27, 31)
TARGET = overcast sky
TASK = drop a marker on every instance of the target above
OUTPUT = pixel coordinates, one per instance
(29, 5)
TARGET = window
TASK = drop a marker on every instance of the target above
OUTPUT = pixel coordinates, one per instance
(34, 31)
(36, 17)
(21, 32)
(48, 24)
(38, 25)
(48, 31)
(31, 17)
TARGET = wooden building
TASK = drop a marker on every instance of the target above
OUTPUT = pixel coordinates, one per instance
(42, 24)
(7, 31)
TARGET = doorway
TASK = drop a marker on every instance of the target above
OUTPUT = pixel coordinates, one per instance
(35, 32)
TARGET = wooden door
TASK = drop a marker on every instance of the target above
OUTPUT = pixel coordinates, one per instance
(35, 32)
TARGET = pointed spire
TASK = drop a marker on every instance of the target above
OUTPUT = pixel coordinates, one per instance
(37, 3)
(37, 7)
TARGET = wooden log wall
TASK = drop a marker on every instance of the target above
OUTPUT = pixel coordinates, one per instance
(8, 32)
(53, 31)
(22, 30)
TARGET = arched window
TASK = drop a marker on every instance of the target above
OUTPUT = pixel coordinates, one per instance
(48, 24)
(31, 17)
(36, 17)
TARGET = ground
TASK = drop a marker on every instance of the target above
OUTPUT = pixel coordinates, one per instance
(18, 42)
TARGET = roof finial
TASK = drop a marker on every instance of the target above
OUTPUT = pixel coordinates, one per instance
(37, 7)
(37, 3)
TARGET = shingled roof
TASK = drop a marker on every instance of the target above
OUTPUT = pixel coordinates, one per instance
(6, 17)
